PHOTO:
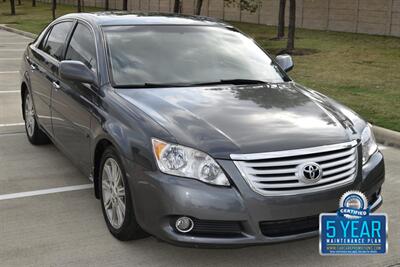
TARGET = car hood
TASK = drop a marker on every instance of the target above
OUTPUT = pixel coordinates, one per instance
(244, 119)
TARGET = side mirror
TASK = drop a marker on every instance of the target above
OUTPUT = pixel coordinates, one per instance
(285, 62)
(76, 71)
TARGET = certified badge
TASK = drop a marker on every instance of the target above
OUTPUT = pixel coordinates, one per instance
(353, 230)
(353, 205)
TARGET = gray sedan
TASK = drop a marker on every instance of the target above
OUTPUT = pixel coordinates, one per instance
(191, 132)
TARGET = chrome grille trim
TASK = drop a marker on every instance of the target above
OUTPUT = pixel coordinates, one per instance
(294, 152)
(275, 173)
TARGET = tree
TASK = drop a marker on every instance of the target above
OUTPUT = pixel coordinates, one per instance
(79, 6)
(292, 26)
(281, 19)
(33, 3)
(106, 4)
(53, 8)
(253, 5)
(199, 4)
(19, 2)
(124, 4)
(246, 5)
(12, 3)
(177, 6)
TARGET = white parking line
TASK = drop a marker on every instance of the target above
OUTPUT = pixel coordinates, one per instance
(17, 37)
(12, 50)
(12, 124)
(10, 92)
(11, 58)
(9, 72)
(14, 43)
(12, 134)
(46, 191)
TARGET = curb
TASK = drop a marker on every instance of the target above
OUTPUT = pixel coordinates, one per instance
(386, 137)
(383, 136)
(23, 33)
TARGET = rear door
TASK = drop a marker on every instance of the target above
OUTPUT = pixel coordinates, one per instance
(72, 101)
(44, 62)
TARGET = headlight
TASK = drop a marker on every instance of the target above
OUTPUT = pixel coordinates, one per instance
(369, 145)
(187, 162)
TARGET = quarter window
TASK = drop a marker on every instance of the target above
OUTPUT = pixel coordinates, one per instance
(82, 47)
(44, 40)
(55, 41)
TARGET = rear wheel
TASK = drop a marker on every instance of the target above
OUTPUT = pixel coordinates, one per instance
(116, 198)
(35, 135)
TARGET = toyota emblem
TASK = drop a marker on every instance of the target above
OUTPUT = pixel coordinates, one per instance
(309, 173)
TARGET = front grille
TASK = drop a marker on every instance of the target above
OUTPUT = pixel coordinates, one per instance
(277, 173)
(290, 226)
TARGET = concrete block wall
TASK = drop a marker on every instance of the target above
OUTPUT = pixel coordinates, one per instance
(360, 16)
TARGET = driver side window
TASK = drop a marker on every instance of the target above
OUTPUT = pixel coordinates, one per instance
(82, 47)
(53, 42)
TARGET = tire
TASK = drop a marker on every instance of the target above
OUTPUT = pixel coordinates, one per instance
(35, 135)
(114, 196)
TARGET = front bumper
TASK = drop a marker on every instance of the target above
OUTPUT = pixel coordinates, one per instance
(159, 197)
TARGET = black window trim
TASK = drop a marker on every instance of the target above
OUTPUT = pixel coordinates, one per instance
(68, 41)
(44, 39)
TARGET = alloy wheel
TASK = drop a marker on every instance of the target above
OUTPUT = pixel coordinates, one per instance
(113, 191)
(29, 115)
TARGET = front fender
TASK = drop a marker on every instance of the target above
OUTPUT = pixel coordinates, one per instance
(126, 128)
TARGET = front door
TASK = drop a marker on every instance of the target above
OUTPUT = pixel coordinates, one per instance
(72, 101)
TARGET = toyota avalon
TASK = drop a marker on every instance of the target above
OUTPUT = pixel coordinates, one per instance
(190, 131)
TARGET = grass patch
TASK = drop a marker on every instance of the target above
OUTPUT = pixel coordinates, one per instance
(33, 19)
(359, 70)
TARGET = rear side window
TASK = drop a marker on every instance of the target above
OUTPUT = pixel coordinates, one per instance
(55, 41)
(82, 47)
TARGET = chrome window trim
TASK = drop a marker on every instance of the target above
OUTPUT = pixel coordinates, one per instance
(293, 152)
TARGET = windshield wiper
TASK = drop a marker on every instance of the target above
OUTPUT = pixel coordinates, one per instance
(153, 85)
(232, 81)
(164, 85)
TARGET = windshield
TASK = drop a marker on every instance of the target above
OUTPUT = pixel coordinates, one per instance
(141, 55)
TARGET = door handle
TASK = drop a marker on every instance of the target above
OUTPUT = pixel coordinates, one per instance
(33, 65)
(56, 85)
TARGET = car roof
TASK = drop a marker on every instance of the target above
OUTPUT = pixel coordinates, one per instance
(114, 18)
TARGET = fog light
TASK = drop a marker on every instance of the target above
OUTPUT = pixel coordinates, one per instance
(184, 224)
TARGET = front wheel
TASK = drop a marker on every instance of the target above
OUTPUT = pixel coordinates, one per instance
(116, 199)
(35, 135)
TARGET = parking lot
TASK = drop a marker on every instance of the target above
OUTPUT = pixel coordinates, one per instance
(50, 217)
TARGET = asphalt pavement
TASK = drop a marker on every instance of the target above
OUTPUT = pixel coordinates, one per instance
(50, 217)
